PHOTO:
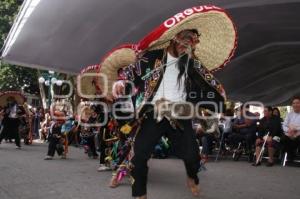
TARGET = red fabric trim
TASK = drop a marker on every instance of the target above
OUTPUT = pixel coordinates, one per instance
(89, 68)
(156, 33)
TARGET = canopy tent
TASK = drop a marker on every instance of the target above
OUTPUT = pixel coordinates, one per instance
(266, 65)
(272, 74)
(68, 35)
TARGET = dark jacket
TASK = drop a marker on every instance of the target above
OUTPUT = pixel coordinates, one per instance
(272, 125)
(200, 82)
(55, 130)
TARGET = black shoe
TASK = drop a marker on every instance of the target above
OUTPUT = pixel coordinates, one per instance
(269, 164)
(236, 155)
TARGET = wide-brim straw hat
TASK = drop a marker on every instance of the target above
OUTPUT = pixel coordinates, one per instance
(118, 58)
(218, 42)
(218, 37)
(13, 95)
(87, 81)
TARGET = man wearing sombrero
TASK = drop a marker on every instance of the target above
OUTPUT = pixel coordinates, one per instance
(174, 66)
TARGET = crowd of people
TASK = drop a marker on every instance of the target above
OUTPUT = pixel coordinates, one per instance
(249, 134)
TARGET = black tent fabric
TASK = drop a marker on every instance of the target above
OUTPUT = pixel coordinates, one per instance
(68, 35)
(272, 75)
(266, 64)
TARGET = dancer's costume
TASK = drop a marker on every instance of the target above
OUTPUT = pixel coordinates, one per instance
(153, 72)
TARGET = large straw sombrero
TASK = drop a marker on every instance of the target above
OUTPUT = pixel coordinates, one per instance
(11, 95)
(218, 37)
(218, 41)
(118, 58)
(88, 81)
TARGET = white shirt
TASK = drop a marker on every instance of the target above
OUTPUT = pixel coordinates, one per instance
(292, 120)
(168, 88)
(13, 112)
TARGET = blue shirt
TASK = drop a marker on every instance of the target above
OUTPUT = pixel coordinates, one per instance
(67, 126)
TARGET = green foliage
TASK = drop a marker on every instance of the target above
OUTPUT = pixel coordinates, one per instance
(8, 11)
(14, 77)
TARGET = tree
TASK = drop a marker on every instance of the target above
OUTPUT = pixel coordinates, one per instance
(14, 77)
(18, 78)
(8, 11)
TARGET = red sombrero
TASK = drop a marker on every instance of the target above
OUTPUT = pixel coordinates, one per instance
(16, 95)
(218, 37)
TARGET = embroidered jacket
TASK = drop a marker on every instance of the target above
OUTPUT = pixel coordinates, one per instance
(201, 86)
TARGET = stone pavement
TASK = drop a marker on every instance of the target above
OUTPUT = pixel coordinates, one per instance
(25, 175)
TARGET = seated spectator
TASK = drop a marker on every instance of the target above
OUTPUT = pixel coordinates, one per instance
(208, 131)
(276, 113)
(291, 128)
(225, 125)
(244, 128)
(272, 125)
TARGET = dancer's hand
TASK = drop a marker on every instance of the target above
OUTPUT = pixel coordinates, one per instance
(118, 89)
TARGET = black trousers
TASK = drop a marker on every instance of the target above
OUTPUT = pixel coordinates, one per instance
(11, 130)
(102, 146)
(52, 147)
(91, 143)
(183, 142)
(249, 139)
(207, 143)
(290, 145)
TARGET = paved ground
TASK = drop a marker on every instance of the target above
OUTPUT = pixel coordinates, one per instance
(25, 175)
